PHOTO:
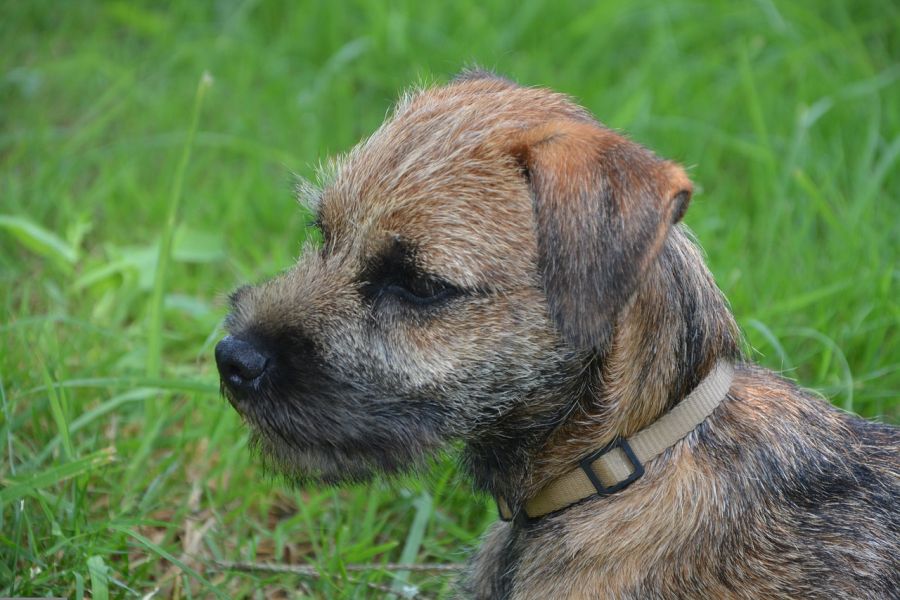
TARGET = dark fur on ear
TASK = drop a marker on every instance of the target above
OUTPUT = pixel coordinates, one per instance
(603, 207)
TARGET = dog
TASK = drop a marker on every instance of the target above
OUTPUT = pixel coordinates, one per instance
(498, 267)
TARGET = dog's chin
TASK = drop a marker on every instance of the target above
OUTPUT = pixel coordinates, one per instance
(305, 452)
(315, 465)
(310, 465)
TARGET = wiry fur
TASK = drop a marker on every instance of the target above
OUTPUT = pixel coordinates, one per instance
(554, 305)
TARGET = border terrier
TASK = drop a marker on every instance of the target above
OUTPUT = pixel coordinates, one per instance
(498, 267)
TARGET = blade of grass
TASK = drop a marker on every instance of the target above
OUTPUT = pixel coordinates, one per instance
(79, 585)
(15, 489)
(39, 240)
(7, 431)
(424, 510)
(59, 413)
(154, 324)
(92, 415)
(174, 385)
(99, 578)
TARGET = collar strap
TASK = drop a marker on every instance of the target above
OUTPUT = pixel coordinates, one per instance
(620, 463)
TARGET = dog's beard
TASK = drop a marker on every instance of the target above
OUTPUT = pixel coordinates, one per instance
(342, 439)
(330, 466)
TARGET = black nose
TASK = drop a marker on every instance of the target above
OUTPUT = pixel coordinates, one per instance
(240, 363)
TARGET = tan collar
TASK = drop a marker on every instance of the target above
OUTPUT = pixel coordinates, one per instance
(619, 464)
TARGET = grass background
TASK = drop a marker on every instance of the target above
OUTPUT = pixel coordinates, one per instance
(124, 473)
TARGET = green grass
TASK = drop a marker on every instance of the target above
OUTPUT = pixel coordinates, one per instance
(123, 225)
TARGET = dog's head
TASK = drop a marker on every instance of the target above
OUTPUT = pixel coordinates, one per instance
(477, 251)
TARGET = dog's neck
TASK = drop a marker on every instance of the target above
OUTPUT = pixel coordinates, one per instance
(666, 341)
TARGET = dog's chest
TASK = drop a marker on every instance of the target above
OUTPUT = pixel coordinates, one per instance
(516, 563)
(581, 556)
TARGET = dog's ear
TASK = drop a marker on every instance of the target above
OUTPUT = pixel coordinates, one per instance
(603, 208)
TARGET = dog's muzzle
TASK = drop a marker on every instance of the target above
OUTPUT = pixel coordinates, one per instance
(242, 366)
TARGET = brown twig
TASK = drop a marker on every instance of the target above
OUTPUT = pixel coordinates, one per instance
(311, 571)
(314, 572)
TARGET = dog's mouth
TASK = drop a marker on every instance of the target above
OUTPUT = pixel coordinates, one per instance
(334, 434)
(294, 454)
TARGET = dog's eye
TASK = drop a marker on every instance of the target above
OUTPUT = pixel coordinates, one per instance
(408, 287)
(395, 275)
(421, 291)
